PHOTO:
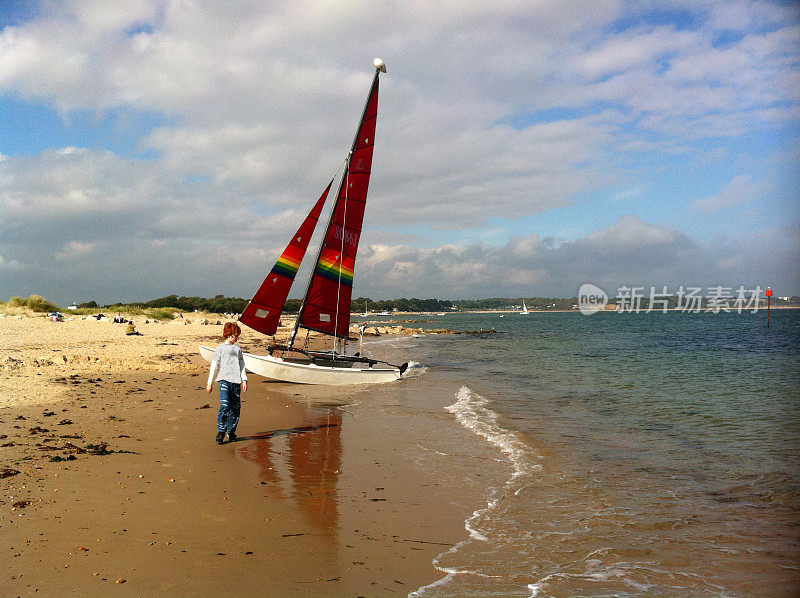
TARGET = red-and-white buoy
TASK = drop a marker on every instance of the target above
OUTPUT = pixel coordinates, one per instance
(769, 295)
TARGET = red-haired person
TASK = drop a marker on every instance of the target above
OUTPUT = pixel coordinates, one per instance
(231, 380)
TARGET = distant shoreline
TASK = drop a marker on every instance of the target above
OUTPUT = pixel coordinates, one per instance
(557, 311)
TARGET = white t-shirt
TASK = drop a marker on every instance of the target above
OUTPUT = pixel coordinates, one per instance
(230, 361)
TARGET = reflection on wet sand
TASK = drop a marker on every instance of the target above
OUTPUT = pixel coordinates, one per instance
(311, 455)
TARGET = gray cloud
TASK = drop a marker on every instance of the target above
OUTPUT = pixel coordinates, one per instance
(629, 252)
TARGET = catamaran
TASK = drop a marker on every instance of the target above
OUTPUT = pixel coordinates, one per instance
(325, 307)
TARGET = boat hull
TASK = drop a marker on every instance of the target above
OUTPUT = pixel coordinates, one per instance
(276, 368)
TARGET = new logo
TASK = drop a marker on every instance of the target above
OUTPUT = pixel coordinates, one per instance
(591, 299)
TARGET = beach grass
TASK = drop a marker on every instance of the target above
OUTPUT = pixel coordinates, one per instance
(161, 313)
(35, 303)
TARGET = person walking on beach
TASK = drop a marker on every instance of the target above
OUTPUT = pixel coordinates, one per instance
(232, 381)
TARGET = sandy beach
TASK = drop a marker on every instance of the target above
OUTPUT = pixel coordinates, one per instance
(112, 483)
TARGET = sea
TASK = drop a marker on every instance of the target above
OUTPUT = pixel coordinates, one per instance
(615, 454)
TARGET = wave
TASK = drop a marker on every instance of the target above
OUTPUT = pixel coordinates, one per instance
(472, 411)
(395, 341)
(414, 370)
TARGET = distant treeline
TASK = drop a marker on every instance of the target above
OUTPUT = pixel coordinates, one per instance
(222, 304)
(436, 305)
(218, 305)
(234, 305)
(365, 303)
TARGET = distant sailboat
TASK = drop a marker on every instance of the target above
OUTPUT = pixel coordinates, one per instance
(524, 308)
(326, 304)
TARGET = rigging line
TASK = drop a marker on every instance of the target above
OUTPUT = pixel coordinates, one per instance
(341, 252)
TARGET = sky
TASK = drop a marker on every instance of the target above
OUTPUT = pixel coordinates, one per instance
(523, 149)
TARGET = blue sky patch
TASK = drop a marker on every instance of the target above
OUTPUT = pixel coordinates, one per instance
(30, 127)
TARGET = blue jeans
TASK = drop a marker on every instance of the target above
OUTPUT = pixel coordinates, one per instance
(230, 404)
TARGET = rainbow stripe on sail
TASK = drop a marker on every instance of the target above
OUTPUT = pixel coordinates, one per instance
(289, 261)
(331, 266)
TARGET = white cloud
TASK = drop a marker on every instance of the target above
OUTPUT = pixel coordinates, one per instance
(630, 193)
(115, 220)
(74, 250)
(639, 49)
(237, 77)
(738, 191)
(9, 265)
(743, 15)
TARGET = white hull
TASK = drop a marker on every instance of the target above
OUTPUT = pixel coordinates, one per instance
(276, 368)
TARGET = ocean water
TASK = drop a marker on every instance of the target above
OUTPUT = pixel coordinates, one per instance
(613, 454)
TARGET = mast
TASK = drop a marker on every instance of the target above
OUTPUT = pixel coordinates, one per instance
(379, 67)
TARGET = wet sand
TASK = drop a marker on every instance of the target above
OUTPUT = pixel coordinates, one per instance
(113, 483)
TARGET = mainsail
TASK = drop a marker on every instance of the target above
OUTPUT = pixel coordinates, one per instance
(263, 313)
(326, 307)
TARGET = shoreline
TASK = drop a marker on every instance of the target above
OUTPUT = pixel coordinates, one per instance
(310, 500)
(561, 311)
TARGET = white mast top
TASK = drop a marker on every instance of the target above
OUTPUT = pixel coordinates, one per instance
(380, 65)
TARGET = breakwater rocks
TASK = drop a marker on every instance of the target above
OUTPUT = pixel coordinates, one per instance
(395, 329)
(448, 331)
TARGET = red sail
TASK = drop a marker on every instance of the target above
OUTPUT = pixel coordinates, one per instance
(263, 313)
(327, 305)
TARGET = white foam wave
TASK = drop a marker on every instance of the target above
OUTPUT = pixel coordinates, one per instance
(595, 570)
(414, 370)
(472, 412)
(450, 573)
(400, 342)
(425, 448)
